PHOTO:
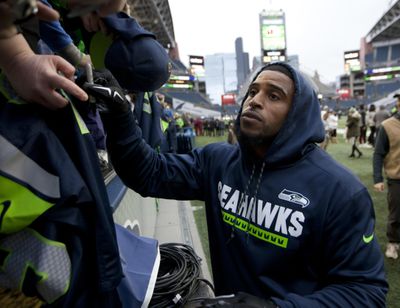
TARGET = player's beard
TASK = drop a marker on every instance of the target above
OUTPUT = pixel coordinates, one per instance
(253, 141)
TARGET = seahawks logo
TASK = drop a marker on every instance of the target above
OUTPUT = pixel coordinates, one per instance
(294, 197)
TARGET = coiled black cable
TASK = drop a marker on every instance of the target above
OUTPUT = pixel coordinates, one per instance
(178, 277)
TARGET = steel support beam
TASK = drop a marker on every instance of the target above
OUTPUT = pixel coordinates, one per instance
(388, 27)
(155, 16)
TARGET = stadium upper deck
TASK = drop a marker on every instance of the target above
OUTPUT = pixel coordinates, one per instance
(380, 54)
(388, 27)
(155, 16)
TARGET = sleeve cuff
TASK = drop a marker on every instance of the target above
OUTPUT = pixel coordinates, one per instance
(120, 125)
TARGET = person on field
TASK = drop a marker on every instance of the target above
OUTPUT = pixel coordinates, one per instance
(387, 156)
(353, 131)
(371, 124)
(278, 207)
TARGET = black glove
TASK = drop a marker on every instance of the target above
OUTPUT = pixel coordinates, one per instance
(239, 300)
(109, 97)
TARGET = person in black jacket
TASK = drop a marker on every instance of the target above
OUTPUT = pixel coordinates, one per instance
(363, 125)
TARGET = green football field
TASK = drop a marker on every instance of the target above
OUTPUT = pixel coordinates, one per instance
(362, 167)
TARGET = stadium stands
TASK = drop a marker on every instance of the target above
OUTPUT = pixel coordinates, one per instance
(187, 96)
(375, 91)
(382, 55)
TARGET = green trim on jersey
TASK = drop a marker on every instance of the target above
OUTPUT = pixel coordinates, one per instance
(19, 206)
(82, 126)
(255, 231)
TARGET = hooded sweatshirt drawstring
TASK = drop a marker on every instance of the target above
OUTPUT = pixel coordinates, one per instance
(255, 200)
(240, 202)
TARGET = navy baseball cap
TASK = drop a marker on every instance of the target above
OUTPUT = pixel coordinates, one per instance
(135, 58)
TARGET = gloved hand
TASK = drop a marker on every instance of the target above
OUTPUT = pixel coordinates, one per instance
(109, 97)
(239, 300)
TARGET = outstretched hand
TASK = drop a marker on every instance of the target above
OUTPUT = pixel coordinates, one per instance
(109, 96)
(36, 78)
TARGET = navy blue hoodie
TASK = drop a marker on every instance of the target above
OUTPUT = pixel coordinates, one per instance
(296, 226)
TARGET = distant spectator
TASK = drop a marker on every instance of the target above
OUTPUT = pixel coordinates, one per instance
(206, 124)
(168, 126)
(324, 117)
(187, 120)
(220, 127)
(363, 125)
(371, 124)
(212, 127)
(387, 155)
(332, 125)
(381, 115)
(179, 121)
(353, 130)
(198, 126)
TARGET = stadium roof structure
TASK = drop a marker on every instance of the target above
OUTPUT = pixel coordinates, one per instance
(178, 66)
(155, 16)
(388, 27)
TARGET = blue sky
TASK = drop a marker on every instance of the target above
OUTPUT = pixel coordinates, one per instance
(317, 31)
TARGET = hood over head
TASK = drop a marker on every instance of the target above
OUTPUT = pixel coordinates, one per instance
(352, 110)
(303, 124)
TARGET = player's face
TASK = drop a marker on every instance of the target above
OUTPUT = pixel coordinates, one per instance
(267, 105)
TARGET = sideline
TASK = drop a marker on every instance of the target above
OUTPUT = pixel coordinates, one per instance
(175, 223)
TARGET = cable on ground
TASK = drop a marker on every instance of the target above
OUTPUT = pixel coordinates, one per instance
(178, 276)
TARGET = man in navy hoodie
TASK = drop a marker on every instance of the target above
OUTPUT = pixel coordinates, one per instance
(286, 222)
